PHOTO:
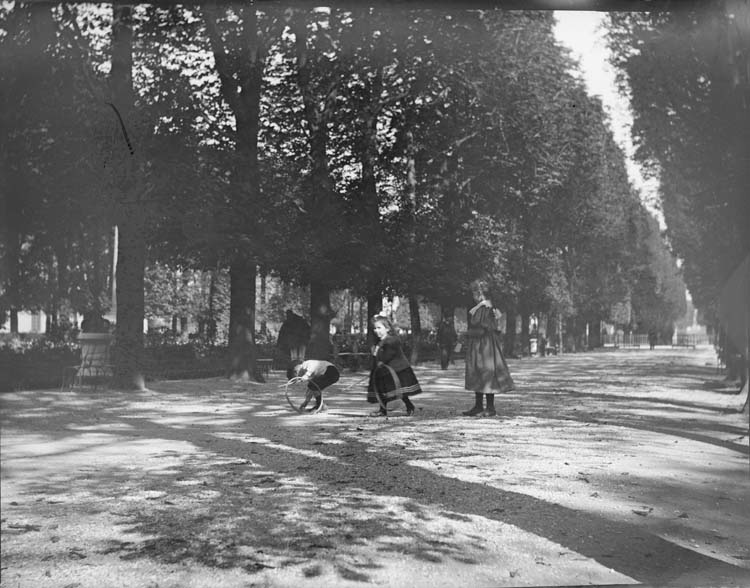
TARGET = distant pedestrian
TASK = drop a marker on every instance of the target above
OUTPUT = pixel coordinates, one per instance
(447, 338)
(653, 337)
(292, 342)
(487, 373)
(391, 376)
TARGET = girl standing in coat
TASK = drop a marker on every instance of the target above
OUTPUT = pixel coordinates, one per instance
(391, 376)
(487, 373)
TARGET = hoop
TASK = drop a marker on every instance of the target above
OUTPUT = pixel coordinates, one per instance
(298, 389)
(396, 382)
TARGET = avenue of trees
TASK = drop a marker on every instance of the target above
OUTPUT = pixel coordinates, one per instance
(688, 75)
(379, 150)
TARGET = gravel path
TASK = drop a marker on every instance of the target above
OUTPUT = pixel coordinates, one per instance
(606, 468)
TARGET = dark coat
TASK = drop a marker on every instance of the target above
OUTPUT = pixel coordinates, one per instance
(446, 334)
(294, 332)
(486, 370)
(390, 352)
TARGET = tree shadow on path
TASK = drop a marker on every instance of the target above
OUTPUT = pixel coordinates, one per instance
(279, 463)
(241, 483)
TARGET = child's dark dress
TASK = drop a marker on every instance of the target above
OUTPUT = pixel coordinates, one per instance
(391, 377)
(486, 370)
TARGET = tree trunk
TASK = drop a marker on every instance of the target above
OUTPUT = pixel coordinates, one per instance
(552, 334)
(240, 76)
(594, 338)
(131, 260)
(62, 286)
(349, 314)
(242, 322)
(573, 335)
(50, 321)
(369, 199)
(416, 329)
(320, 322)
(13, 217)
(211, 320)
(361, 317)
(525, 321)
(374, 306)
(263, 323)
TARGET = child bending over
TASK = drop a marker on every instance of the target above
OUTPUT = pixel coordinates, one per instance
(320, 374)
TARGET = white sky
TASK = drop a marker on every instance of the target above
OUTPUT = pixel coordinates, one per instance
(582, 32)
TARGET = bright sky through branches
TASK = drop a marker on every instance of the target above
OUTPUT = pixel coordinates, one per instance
(583, 33)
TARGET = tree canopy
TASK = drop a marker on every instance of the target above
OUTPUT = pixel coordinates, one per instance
(322, 145)
(687, 72)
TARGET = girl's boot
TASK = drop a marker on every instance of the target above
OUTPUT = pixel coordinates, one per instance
(490, 410)
(382, 412)
(318, 400)
(477, 408)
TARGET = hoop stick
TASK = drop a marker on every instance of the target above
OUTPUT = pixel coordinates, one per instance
(357, 383)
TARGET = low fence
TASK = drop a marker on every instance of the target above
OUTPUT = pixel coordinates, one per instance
(685, 340)
(624, 340)
(639, 340)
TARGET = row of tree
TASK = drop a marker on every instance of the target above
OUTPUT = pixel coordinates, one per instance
(688, 76)
(382, 150)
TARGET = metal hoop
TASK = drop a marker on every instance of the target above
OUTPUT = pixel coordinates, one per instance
(396, 383)
(309, 396)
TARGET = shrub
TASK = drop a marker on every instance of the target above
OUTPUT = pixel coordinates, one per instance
(34, 362)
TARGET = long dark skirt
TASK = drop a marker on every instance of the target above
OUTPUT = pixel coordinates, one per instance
(386, 384)
(486, 370)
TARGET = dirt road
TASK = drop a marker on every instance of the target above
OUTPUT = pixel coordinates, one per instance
(606, 468)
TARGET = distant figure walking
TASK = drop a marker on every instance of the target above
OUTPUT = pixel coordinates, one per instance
(292, 342)
(447, 338)
(653, 337)
(487, 373)
(391, 376)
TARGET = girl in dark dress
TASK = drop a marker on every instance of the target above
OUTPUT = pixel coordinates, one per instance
(391, 376)
(487, 373)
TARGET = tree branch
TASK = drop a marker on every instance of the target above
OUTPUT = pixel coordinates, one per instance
(229, 86)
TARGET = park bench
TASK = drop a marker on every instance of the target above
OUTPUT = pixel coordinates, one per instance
(183, 369)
